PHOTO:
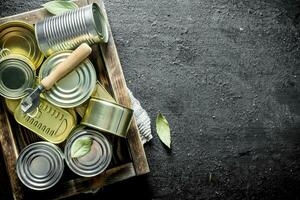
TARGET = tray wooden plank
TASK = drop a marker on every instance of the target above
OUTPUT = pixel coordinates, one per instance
(84, 185)
(10, 153)
(119, 88)
(111, 75)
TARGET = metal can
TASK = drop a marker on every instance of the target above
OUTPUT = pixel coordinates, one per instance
(51, 123)
(16, 76)
(40, 165)
(99, 92)
(12, 104)
(73, 89)
(19, 38)
(72, 28)
(73, 113)
(96, 160)
(108, 117)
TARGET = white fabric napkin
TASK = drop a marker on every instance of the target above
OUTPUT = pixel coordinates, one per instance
(142, 119)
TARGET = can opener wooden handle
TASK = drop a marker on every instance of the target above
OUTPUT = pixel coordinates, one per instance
(31, 102)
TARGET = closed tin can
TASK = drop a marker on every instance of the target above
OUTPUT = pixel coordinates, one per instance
(96, 160)
(12, 105)
(40, 165)
(70, 29)
(99, 92)
(73, 89)
(108, 117)
(51, 123)
(16, 76)
(19, 38)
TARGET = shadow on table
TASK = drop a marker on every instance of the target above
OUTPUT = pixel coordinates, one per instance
(134, 188)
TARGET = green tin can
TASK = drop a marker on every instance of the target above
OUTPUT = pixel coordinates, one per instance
(108, 117)
(100, 93)
(51, 123)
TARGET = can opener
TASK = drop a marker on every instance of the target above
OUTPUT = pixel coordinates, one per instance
(32, 101)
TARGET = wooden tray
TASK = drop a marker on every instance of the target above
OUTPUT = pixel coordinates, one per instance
(129, 158)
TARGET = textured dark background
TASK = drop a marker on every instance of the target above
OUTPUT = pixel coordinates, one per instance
(226, 75)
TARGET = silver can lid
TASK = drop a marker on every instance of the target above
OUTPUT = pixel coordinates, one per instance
(73, 89)
(94, 162)
(16, 76)
(40, 165)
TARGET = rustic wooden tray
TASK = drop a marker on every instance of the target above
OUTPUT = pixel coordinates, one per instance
(129, 158)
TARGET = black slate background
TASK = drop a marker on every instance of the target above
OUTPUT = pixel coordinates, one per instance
(225, 73)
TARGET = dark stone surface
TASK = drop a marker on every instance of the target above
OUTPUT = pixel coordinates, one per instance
(225, 73)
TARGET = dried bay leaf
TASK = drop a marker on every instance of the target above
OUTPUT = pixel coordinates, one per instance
(81, 147)
(59, 7)
(163, 130)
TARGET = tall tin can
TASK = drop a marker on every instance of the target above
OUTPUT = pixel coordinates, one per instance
(40, 165)
(96, 160)
(73, 89)
(70, 29)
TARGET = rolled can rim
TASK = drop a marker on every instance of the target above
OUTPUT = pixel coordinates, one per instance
(31, 66)
(32, 29)
(109, 102)
(61, 156)
(122, 134)
(83, 100)
(103, 34)
(82, 132)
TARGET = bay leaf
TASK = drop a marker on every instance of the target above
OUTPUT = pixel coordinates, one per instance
(58, 7)
(81, 147)
(163, 130)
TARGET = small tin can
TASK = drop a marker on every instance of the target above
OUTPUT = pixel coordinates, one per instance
(99, 92)
(96, 160)
(51, 123)
(70, 29)
(73, 89)
(40, 165)
(19, 38)
(108, 117)
(16, 76)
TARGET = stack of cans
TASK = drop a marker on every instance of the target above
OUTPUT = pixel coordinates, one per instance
(76, 106)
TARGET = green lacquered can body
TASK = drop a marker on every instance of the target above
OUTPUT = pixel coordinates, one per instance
(50, 122)
(108, 117)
